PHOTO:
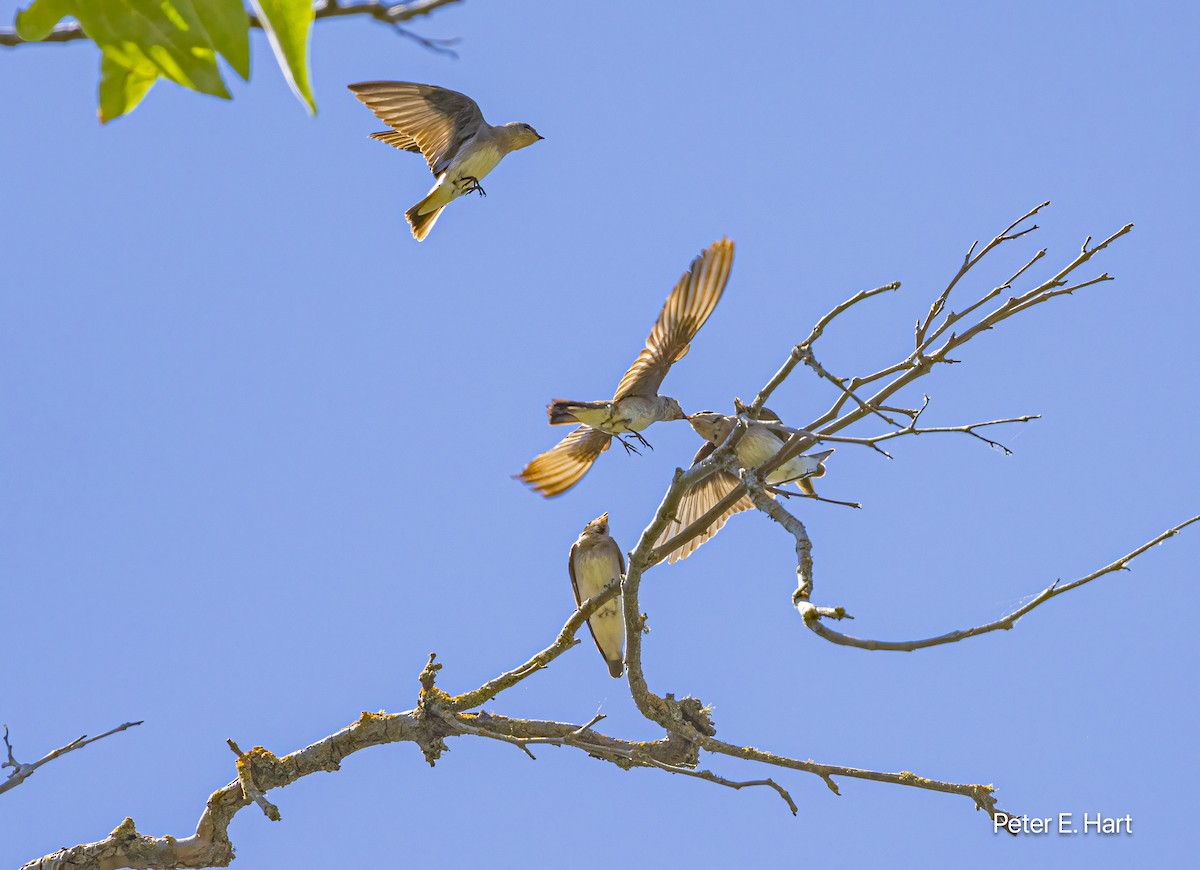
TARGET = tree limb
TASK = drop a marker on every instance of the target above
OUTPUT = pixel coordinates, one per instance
(812, 615)
(565, 640)
(22, 772)
(687, 720)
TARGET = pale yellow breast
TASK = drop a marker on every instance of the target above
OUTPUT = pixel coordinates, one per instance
(477, 162)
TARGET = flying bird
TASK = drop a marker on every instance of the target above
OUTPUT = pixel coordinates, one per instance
(763, 439)
(448, 130)
(637, 403)
(595, 564)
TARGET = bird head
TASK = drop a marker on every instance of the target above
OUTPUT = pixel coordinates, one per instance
(710, 425)
(598, 526)
(674, 411)
(522, 134)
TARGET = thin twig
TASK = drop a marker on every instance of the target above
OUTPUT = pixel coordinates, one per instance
(22, 772)
(709, 776)
(817, 331)
(968, 262)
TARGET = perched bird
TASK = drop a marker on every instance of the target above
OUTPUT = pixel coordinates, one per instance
(595, 564)
(448, 129)
(762, 440)
(637, 403)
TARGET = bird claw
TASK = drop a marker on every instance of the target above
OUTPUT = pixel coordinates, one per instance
(629, 448)
(639, 437)
(473, 185)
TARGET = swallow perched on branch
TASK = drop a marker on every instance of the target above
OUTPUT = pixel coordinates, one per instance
(448, 129)
(595, 564)
(637, 403)
(762, 440)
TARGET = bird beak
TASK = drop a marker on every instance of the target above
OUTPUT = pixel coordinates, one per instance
(605, 517)
(540, 136)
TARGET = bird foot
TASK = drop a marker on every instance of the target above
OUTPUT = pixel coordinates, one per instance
(473, 185)
(640, 438)
(629, 448)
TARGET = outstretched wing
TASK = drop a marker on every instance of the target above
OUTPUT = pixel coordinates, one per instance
(563, 465)
(437, 121)
(689, 305)
(700, 498)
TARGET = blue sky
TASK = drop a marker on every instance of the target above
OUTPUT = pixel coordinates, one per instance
(256, 441)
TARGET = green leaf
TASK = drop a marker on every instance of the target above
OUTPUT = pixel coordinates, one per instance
(121, 88)
(165, 35)
(36, 22)
(228, 28)
(288, 23)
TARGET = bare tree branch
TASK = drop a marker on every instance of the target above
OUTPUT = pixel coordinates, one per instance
(387, 13)
(680, 718)
(22, 772)
(565, 640)
(906, 371)
(969, 261)
(777, 512)
(720, 780)
(798, 352)
(705, 521)
(812, 615)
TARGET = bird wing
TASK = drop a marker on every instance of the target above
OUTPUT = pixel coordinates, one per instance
(689, 305)
(397, 140)
(562, 466)
(700, 498)
(574, 582)
(436, 120)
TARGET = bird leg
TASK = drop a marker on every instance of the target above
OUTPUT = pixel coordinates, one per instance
(473, 185)
(644, 442)
(629, 448)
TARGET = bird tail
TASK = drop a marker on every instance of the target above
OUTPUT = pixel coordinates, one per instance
(562, 411)
(422, 222)
(805, 483)
(422, 216)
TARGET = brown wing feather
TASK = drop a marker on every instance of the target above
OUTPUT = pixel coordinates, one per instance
(397, 140)
(701, 497)
(571, 570)
(698, 500)
(689, 305)
(437, 120)
(563, 465)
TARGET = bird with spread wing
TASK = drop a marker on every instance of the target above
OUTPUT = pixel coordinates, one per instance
(763, 438)
(448, 130)
(636, 403)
